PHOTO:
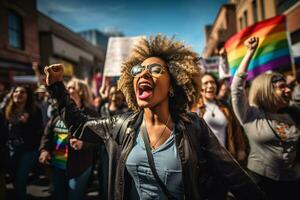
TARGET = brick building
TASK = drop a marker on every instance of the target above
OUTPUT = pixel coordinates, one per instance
(19, 41)
(248, 12)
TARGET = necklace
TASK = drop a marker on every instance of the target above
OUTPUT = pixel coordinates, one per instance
(211, 110)
(153, 145)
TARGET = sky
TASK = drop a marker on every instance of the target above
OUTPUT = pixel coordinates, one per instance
(184, 19)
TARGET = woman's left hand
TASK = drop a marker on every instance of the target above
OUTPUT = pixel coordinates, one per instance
(76, 144)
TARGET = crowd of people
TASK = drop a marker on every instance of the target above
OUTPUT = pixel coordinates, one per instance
(167, 130)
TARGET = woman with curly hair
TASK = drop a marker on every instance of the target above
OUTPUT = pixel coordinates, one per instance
(158, 151)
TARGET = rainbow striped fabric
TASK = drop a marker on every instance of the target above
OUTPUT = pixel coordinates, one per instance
(60, 151)
(273, 50)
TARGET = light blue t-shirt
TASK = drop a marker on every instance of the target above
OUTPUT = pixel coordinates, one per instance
(168, 167)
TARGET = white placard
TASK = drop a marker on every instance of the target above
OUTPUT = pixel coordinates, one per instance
(118, 50)
(224, 71)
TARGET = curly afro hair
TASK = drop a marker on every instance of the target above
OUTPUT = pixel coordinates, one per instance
(182, 64)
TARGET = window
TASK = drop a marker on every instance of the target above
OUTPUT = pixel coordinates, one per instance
(15, 30)
(263, 14)
(254, 9)
(245, 18)
(241, 23)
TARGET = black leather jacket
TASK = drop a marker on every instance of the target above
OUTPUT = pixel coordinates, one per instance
(202, 157)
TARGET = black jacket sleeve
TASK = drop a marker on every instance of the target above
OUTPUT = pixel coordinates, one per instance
(80, 125)
(226, 168)
(47, 138)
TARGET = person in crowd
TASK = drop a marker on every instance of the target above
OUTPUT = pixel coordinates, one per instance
(273, 132)
(158, 151)
(114, 105)
(23, 120)
(97, 101)
(223, 93)
(70, 159)
(3, 91)
(39, 77)
(3, 139)
(296, 92)
(220, 118)
(42, 102)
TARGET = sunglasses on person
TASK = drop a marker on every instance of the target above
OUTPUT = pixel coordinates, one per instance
(154, 70)
(279, 82)
(277, 78)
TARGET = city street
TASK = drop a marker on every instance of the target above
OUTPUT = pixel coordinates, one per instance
(39, 188)
(152, 99)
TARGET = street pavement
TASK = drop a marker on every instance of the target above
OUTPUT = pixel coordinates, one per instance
(39, 188)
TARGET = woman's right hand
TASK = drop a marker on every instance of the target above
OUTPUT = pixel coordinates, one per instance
(45, 157)
(54, 73)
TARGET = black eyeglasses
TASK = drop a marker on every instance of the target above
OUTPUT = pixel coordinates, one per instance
(281, 85)
(154, 69)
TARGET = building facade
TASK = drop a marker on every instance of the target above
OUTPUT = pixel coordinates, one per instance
(19, 41)
(248, 12)
(223, 28)
(99, 38)
(95, 37)
(59, 44)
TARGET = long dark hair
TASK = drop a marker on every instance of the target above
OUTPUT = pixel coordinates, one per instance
(30, 105)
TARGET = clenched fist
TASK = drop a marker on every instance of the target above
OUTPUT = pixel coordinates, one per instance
(252, 44)
(54, 73)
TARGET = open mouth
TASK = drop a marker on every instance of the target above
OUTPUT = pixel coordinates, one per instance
(210, 92)
(144, 90)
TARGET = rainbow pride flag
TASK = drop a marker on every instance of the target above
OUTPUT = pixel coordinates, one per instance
(273, 50)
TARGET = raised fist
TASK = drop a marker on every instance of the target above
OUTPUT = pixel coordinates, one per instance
(252, 43)
(54, 73)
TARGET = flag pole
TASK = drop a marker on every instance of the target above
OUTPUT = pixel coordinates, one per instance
(293, 65)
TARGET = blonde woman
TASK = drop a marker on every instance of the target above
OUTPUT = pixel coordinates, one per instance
(159, 151)
(70, 159)
(272, 132)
